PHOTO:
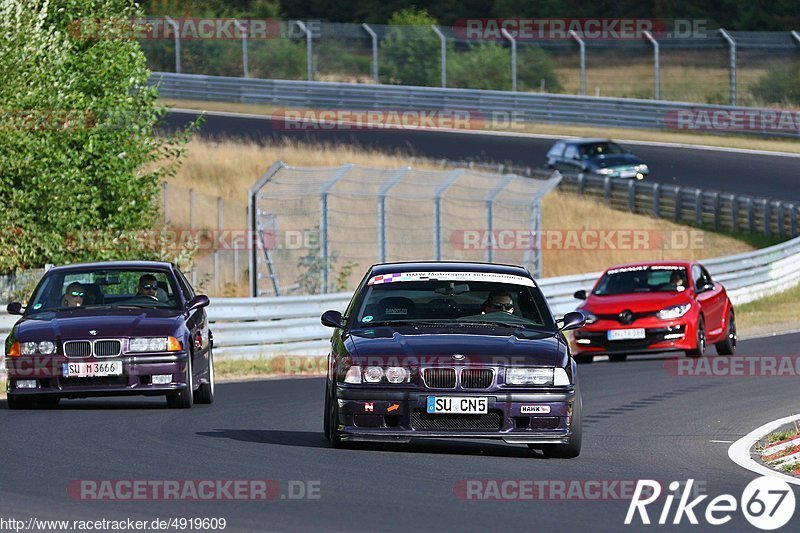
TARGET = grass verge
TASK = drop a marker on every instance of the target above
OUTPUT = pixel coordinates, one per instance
(772, 314)
(704, 139)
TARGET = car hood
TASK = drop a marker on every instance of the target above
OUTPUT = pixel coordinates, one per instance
(615, 160)
(75, 324)
(639, 302)
(496, 346)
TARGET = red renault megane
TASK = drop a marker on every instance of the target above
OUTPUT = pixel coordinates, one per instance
(654, 307)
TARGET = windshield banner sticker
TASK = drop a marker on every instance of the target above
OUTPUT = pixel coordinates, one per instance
(452, 276)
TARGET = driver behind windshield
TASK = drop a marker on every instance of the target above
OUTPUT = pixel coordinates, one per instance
(73, 296)
(499, 301)
(149, 287)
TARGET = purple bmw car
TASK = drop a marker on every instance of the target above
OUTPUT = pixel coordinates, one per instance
(107, 329)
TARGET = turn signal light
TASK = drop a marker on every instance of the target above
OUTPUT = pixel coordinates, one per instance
(14, 351)
(174, 345)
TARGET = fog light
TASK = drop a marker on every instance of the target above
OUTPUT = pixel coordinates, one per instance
(26, 384)
(583, 341)
(162, 379)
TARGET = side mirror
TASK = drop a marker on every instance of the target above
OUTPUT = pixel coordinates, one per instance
(573, 320)
(706, 287)
(332, 319)
(15, 308)
(580, 295)
(199, 301)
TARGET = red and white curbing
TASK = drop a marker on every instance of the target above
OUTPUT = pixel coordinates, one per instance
(741, 452)
(783, 453)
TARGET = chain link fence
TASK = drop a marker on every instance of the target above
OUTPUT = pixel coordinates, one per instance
(707, 66)
(320, 228)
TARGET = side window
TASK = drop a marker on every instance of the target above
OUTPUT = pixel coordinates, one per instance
(697, 277)
(571, 152)
(556, 150)
(706, 276)
(186, 288)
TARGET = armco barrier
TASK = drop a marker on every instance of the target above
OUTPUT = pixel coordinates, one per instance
(526, 107)
(248, 328)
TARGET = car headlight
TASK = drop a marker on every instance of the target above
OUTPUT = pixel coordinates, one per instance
(376, 374)
(529, 376)
(560, 377)
(29, 348)
(47, 348)
(671, 313)
(641, 168)
(606, 171)
(154, 344)
(591, 318)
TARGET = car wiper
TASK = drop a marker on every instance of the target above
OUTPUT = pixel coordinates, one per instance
(497, 323)
(399, 323)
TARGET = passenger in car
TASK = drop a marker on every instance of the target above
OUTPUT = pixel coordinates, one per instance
(73, 296)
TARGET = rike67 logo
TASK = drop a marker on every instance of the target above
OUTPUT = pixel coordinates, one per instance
(767, 503)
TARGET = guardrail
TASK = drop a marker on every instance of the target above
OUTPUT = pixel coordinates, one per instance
(249, 328)
(486, 105)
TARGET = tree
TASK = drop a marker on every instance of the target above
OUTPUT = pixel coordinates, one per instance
(411, 55)
(79, 152)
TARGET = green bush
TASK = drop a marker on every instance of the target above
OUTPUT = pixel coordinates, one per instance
(410, 56)
(78, 151)
(488, 66)
(780, 85)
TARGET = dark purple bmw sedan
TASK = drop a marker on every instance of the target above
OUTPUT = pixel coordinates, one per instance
(107, 329)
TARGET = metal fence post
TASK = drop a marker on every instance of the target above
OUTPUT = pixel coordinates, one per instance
(309, 50)
(513, 58)
(582, 46)
(374, 37)
(191, 227)
(607, 190)
(382, 211)
(217, 284)
(489, 256)
(678, 203)
(732, 62)
(698, 207)
(437, 211)
(323, 225)
(796, 36)
(252, 227)
(717, 212)
(767, 218)
(245, 55)
(657, 200)
(793, 217)
(581, 183)
(165, 185)
(177, 31)
(781, 215)
(632, 196)
(656, 66)
(443, 39)
(734, 213)
(751, 222)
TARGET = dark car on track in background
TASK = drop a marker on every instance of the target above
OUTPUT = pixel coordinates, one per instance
(452, 350)
(602, 157)
(108, 329)
(655, 307)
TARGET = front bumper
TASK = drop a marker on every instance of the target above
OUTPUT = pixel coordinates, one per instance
(659, 337)
(136, 378)
(399, 416)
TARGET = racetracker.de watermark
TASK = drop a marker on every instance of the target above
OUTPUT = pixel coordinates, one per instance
(738, 366)
(185, 29)
(741, 120)
(578, 239)
(535, 29)
(548, 489)
(192, 489)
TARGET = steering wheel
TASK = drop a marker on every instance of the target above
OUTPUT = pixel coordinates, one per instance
(148, 296)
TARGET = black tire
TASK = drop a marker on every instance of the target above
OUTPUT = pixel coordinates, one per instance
(584, 359)
(728, 345)
(700, 341)
(573, 448)
(205, 392)
(617, 358)
(334, 435)
(184, 398)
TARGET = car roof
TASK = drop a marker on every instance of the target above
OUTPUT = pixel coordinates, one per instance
(447, 266)
(115, 265)
(686, 264)
(587, 140)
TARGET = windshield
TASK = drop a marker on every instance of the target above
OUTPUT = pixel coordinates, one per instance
(98, 287)
(600, 149)
(454, 301)
(660, 278)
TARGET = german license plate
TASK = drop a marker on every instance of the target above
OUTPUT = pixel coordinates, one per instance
(87, 370)
(626, 334)
(458, 405)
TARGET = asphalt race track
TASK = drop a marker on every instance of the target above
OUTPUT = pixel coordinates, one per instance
(641, 421)
(760, 175)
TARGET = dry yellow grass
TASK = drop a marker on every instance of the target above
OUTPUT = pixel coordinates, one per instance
(228, 169)
(705, 139)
